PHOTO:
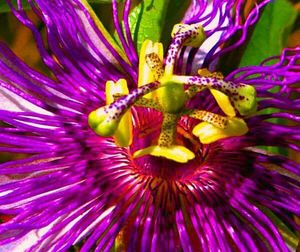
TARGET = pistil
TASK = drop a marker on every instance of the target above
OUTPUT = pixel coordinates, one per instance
(183, 35)
(160, 89)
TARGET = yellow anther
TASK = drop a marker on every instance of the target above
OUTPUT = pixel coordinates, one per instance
(209, 133)
(155, 64)
(123, 133)
(222, 99)
(223, 102)
(145, 73)
(212, 118)
(115, 88)
(176, 153)
(240, 97)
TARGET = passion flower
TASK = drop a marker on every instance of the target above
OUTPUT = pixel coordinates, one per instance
(148, 152)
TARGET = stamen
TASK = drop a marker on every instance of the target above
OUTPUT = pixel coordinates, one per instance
(208, 133)
(123, 134)
(155, 64)
(223, 102)
(222, 99)
(176, 153)
(212, 118)
(115, 89)
(145, 74)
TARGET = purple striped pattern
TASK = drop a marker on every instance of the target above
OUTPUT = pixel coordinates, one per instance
(82, 187)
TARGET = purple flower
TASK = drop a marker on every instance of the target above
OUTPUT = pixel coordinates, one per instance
(190, 175)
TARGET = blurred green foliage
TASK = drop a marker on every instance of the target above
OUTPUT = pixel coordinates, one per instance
(269, 37)
(271, 32)
(154, 20)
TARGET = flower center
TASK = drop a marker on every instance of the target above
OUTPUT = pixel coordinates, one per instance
(160, 89)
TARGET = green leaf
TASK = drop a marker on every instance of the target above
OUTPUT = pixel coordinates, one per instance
(154, 20)
(271, 32)
(268, 39)
(5, 8)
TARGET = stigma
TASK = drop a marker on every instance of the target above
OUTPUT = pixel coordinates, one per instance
(161, 89)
